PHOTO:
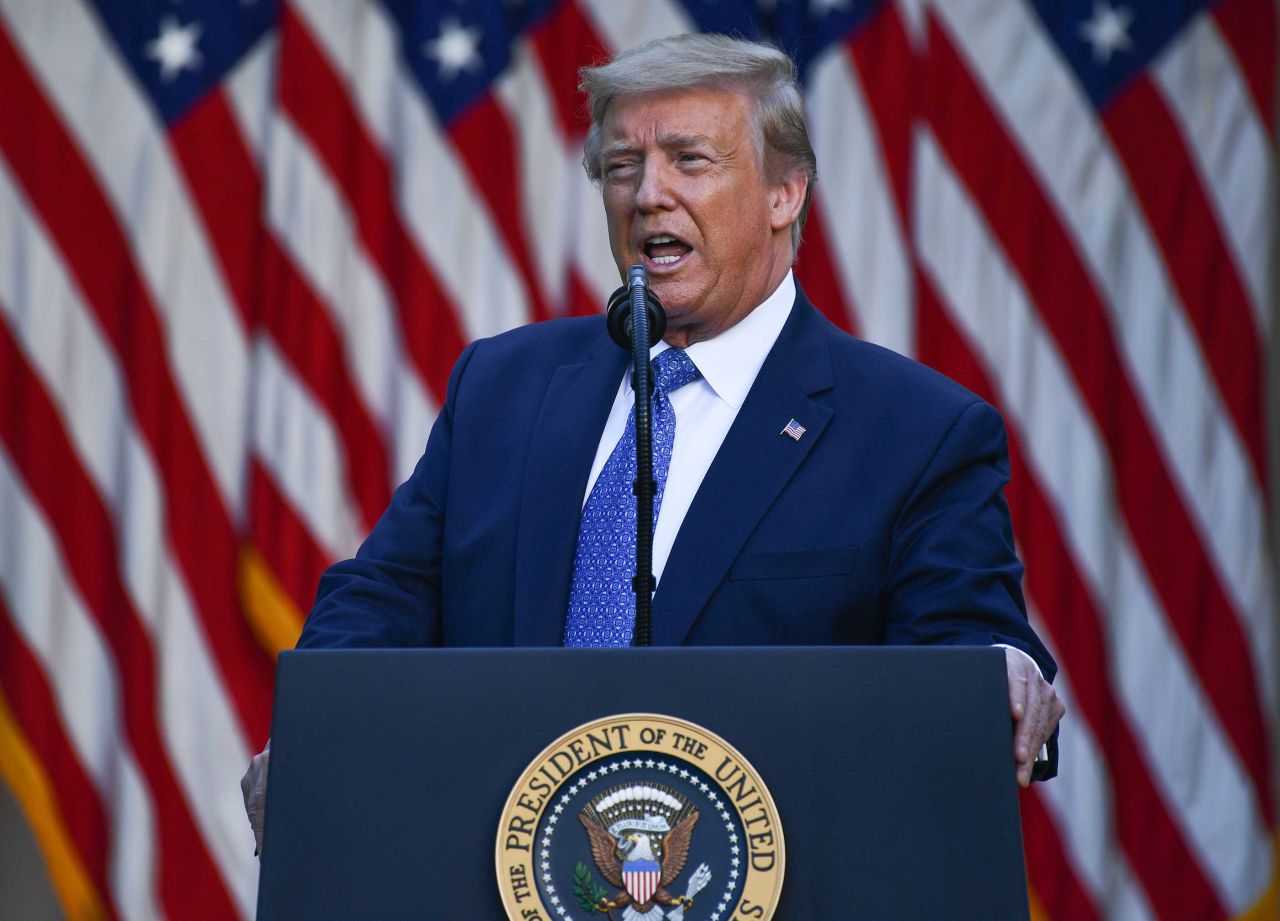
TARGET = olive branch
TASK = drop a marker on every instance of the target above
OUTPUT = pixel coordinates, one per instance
(590, 894)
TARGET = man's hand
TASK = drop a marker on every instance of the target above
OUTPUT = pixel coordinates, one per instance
(1035, 707)
(253, 786)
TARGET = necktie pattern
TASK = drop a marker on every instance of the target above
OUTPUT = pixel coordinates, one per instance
(601, 602)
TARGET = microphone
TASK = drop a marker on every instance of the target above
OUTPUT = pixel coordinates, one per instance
(637, 321)
(619, 313)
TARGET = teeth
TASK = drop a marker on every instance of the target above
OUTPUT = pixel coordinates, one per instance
(665, 238)
(666, 260)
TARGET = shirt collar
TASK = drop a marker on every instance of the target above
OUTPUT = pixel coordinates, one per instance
(730, 361)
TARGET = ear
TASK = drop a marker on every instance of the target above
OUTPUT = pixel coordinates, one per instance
(786, 199)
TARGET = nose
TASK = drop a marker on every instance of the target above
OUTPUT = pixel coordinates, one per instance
(654, 191)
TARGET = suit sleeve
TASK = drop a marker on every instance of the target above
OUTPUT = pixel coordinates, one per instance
(954, 575)
(389, 594)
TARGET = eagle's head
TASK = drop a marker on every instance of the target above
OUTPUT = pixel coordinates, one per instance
(636, 845)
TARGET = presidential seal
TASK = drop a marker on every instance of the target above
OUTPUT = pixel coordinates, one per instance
(640, 817)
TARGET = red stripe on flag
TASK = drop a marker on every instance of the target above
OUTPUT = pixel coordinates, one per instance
(1250, 29)
(1168, 185)
(887, 67)
(315, 98)
(1164, 864)
(564, 43)
(282, 539)
(816, 271)
(583, 301)
(483, 137)
(208, 141)
(30, 428)
(1046, 260)
(36, 711)
(62, 188)
(1048, 867)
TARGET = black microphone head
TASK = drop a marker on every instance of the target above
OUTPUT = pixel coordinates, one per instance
(618, 317)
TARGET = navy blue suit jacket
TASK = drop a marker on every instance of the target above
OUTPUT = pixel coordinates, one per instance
(884, 523)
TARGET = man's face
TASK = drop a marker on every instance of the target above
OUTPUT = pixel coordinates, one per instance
(686, 196)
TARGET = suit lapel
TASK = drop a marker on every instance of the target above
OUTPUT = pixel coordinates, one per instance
(562, 447)
(750, 470)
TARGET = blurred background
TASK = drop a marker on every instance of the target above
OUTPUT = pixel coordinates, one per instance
(242, 242)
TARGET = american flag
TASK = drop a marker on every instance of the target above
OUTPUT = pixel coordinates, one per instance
(241, 244)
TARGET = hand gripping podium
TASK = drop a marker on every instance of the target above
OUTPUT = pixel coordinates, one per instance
(872, 784)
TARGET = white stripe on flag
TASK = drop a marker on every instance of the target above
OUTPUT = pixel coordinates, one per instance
(1008, 51)
(625, 23)
(1166, 709)
(1203, 86)
(858, 210)
(52, 621)
(205, 339)
(297, 443)
(201, 734)
(433, 193)
(1081, 801)
(543, 162)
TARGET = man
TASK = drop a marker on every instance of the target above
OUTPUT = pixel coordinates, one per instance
(812, 489)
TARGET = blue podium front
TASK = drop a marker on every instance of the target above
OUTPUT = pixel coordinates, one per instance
(666, 783)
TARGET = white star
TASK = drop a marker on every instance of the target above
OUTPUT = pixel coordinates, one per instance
(823, 7)
(1108, 30)
(456, 49)
(175, 48)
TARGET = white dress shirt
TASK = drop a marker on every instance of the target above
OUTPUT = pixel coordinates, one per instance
(705, 409)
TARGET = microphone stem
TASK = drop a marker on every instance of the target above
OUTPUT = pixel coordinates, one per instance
(643, 583)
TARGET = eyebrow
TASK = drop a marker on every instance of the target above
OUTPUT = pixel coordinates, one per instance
(666, 142)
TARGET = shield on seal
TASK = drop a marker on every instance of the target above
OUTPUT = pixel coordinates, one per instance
(641, 878)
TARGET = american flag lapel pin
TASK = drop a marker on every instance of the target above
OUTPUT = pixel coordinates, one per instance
(794, 429)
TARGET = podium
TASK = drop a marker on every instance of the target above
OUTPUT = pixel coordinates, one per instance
(890, 769)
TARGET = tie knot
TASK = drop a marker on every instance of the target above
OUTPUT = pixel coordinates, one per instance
(673, 369)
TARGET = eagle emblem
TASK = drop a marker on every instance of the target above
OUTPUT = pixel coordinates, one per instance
(640, 836)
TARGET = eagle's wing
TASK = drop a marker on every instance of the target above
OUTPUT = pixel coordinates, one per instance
(602, 849)
(675, 848)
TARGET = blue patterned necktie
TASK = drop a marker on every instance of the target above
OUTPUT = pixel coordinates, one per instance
(601, 602)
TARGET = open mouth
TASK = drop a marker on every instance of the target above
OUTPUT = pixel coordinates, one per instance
(664, 249)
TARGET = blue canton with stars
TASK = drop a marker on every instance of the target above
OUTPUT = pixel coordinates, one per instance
(181, 50)
(601, 602)
(1110, 42)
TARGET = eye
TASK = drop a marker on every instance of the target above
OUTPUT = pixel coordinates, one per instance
(619, 169)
